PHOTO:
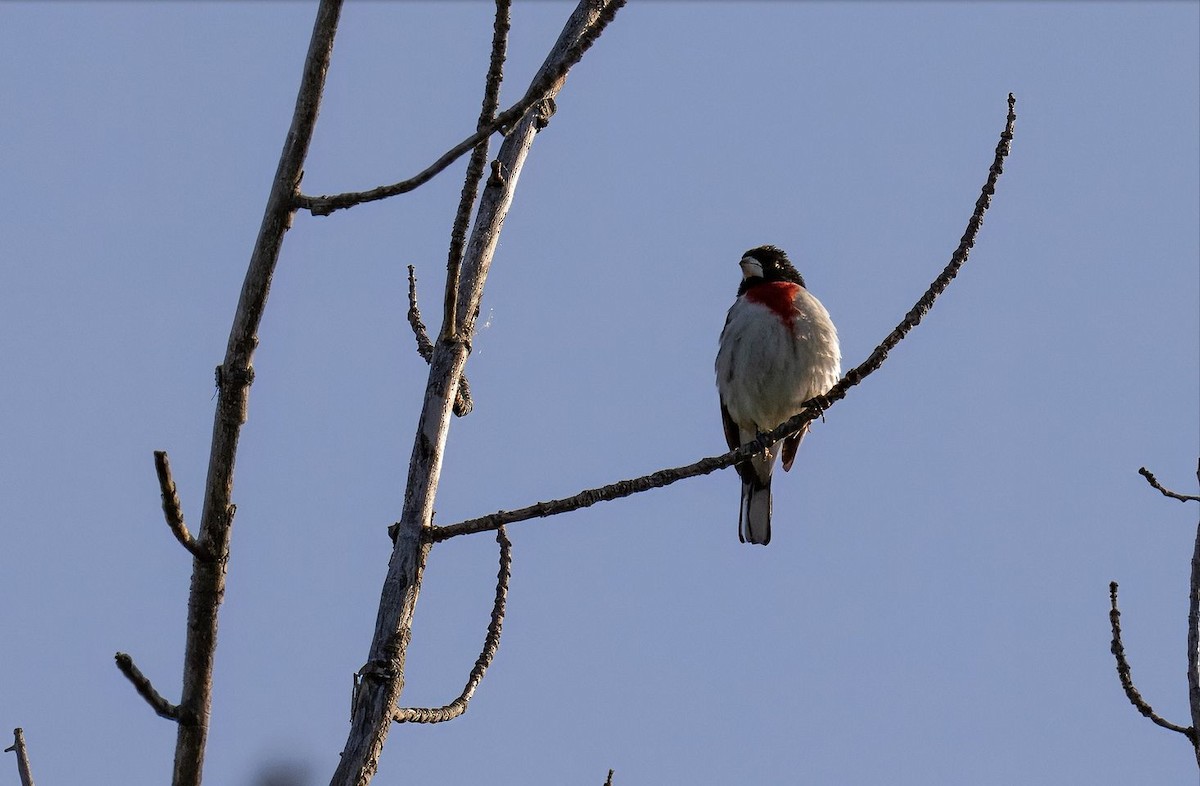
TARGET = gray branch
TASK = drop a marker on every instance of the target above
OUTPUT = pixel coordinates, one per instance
(463, 404)
(18, 746)
(145, 689)
(491, 642)
(545, 85)
(813, 408)
(234, 377)
(172, 508)
(382, 681)
(1153, 481)
(1124, 673)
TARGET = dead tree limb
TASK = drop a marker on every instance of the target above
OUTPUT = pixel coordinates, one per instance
(18, 746)
(1125, 674)
(1118, 649)
(1153, 481)
(491, 642)
(172, 508)
(145, 688)
(813, 408)
(383, 674)
(463, 404)
(545, 85)
(234, 377)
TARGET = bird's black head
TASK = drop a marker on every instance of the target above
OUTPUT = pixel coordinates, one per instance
(767, 263)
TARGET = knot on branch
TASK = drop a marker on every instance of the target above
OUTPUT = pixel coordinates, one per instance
(241, 375)
(543, 112)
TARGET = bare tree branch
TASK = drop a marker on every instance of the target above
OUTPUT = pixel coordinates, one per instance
(383, 674)
(172, 508)
(18, 746)
(1153, 481)
(463, 404)
(491, 642)
(1194, 640)
(608, 781)
(491, 101)
(546, 85)
(145, 688)
(1124, 673)
(814, 407)
(234, 377)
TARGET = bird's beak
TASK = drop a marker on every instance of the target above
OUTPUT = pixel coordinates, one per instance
(751, 267)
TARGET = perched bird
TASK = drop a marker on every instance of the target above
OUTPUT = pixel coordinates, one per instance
(778, 349)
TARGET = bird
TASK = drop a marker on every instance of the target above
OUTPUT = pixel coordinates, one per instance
(778, 349)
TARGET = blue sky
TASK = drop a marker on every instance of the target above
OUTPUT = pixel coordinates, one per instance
(933, 606)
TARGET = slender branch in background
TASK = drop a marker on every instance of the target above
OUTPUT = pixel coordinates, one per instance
(463, 404)
(172, 508)
(18, 746)
(547, 83)
(813, 408)
(491, 642)
(491, 101)
(145, 689)
(608, 781)
(1194, 641)
(1123, 671)
(382, 677)
(1153, 481)
(234, 376)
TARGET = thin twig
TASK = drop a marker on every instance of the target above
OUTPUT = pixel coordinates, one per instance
(18, 746)
(1153, 481)
(491, 101)
(1123, 672)
(172, 508)
(814, 407)
(145, 688)
(463, 404)
(608, 781)
(548, 82)
(490, 644)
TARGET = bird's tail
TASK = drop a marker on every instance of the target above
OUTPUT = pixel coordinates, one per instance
(754, 518)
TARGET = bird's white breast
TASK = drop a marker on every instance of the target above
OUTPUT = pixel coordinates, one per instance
(767, 368)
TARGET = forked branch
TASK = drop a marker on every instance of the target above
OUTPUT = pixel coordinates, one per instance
(463, 404)
(813, 408)
(546, 85)
(491, 642)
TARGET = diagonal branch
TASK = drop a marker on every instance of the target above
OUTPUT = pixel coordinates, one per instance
(382, 684)
(234, 376)
(1153, 481)
(1125, 675)
(814, 407)
(491, 101)
(463, 404)
(545, 85)
(172, 508)
(491, 642)
(145, 688)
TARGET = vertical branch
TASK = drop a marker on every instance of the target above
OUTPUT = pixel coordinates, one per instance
(23, 771)
(491, 102)
(234, 376)
(382, 681)
(1194, 639)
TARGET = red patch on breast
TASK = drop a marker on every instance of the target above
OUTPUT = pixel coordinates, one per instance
(779, 296)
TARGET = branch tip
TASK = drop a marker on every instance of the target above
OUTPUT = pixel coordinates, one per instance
(145, 689)
(1153, 481)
